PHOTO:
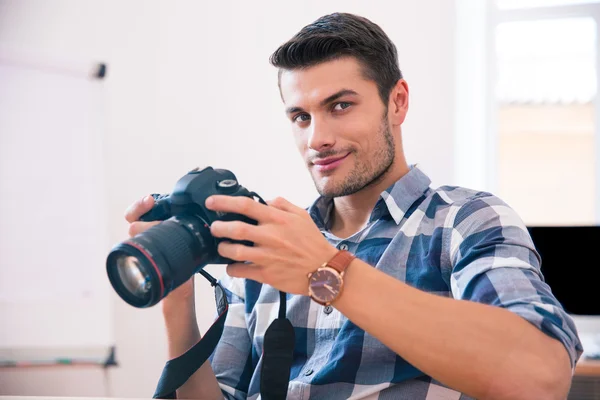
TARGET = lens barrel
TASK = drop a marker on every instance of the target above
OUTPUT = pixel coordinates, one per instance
(146, 268)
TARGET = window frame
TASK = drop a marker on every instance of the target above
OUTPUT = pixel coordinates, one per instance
(476, 155)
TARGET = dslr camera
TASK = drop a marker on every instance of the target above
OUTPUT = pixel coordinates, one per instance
(146, 268)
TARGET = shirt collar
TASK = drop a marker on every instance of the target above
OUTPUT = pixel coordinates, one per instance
(396, 199)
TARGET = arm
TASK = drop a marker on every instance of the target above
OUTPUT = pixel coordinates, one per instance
(182, 333)
(226, 374)
(485, 350)
(179, 315)
(500, 345)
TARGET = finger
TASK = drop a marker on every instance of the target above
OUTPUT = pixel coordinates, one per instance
(139, 208)
(239, 252)
(138, 227)
(240, 205)
(237, 230)
(282, 204)
(246, 270)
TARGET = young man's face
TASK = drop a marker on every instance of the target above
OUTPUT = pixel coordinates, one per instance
(340, 125)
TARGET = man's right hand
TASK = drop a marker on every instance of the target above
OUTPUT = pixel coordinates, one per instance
(135, 211)
(180, 317)
(184, 293)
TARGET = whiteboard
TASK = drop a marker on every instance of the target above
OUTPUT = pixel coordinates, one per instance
(54, 292)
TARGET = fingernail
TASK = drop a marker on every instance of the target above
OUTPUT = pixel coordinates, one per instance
(147, 199)
(210, 201)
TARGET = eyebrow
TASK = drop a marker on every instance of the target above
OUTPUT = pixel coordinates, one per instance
(330, 99)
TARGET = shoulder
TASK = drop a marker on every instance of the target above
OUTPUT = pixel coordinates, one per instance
(466, 213)
(466, 208)
(457, 196)
(455, 205)
(476, 210)
(478, 223)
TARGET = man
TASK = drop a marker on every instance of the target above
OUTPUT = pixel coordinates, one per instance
(444, 295)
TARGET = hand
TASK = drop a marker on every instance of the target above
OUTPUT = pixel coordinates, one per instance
(135, 211)
(185, 292)
(287, 243)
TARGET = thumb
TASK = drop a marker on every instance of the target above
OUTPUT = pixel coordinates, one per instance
(139, 208)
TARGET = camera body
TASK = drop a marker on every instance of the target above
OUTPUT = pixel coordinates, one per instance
(189, 198)
(145, 268)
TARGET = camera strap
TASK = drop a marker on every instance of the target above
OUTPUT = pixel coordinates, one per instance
(278, 351)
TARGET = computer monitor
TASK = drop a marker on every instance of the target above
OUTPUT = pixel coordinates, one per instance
(570, 265)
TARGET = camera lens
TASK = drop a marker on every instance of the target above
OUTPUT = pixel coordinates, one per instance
(147, 267)
(133, 275)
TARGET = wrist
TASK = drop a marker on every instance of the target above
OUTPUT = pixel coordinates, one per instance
(180, 299)
(181, 326)
(325, 256)
(179, 313)
(326, 283)
(320, 257)
(352, 274)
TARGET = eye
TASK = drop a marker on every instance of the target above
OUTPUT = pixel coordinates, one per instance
(301, 118)
(341, 106)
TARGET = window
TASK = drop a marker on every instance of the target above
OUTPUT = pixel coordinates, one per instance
(515, 4)
(545, 133)
(546, 84)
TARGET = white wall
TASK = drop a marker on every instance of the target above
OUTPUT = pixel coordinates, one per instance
(189, 84)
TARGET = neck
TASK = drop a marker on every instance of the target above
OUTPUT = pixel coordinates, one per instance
(351, 213)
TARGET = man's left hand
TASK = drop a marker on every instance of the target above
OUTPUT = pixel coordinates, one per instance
(287, 243)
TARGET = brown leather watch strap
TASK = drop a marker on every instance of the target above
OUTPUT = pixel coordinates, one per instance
(341, 260)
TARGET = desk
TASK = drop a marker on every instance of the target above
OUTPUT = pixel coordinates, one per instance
(67, 398)
(588, 368)
(586, 382)
(587, 374)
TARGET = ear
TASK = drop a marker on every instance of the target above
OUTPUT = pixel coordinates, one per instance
(398, 103)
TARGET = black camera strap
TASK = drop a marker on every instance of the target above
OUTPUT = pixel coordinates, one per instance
(278, 352)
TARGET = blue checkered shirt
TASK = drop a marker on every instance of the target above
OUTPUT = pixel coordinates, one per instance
(449, 241)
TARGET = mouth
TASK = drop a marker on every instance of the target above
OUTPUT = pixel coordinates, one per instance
(329, 163)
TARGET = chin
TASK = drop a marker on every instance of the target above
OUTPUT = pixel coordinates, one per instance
(331, 184)
(327, 187)
(324, 185)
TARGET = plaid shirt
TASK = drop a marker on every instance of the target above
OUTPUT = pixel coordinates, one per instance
(449, 241)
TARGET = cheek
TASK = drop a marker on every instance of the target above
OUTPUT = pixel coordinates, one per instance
(369, 144)
(300, 140)
(359, 137)
(355, 127)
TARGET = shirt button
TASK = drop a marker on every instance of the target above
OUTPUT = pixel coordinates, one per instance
(327, 310)
(343, 246)
(308, 372)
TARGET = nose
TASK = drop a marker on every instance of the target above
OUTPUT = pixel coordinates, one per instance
(320, 137)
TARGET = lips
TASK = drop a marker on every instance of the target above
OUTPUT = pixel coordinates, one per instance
(329, 163)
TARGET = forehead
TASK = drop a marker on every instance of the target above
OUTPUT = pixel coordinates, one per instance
(317, 82)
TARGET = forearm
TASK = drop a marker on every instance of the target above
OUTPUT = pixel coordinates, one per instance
(182, 334)
(483, 351)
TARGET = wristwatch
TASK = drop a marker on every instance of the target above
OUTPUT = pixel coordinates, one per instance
(326, 283)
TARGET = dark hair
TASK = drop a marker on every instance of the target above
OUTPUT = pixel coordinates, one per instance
(340, 35)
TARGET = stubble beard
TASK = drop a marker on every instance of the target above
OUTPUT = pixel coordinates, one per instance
(365, 172)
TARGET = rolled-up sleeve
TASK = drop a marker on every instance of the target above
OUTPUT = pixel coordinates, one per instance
(494, 262)
(232, 359)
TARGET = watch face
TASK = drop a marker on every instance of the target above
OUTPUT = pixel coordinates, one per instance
(325, 284)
